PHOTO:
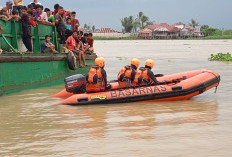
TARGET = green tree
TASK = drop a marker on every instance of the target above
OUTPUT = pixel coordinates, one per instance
(136, 24)
(210, 31)
(127, 23)
(93, 28)
(85, 26)
(204, 28)
(194, 23)
(88, 28)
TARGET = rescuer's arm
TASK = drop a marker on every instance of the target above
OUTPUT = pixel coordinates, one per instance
(152, 76)
(133, 75)
(104, 76)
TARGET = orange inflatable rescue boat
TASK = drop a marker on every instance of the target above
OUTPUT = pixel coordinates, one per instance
(180, 86)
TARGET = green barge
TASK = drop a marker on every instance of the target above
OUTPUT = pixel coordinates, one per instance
(19, 71)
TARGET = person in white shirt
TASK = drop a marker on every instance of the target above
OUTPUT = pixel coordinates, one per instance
(8, 8)
(36, 2)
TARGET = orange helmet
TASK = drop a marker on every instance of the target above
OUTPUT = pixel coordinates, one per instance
(149, 63)
(135, 62)
(100, 61)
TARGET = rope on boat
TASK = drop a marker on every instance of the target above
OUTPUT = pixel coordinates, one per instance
(218, 78)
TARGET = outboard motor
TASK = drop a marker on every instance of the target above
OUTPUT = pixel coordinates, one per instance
(75, 84)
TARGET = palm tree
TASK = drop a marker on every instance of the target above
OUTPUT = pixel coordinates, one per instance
(88, 28)
(150, 23)
(141, 14)
(194, 23)
(136, 24)
(130, 24)
(85, 26)
(144, 19)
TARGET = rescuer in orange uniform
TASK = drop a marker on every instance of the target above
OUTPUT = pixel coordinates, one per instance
(127, 74)
(145, 76)
(97, 78)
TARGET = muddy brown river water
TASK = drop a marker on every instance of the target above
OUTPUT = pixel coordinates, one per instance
(32, 124)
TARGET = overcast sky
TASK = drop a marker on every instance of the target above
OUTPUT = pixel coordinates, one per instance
(107, 13)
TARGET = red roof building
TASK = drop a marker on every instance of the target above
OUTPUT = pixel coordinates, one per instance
(105, 30)
(165, 25)
(178, 30)
(179, 23)
(152, 27)
(173, 28)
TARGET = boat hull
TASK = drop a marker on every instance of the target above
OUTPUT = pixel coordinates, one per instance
(31, 71)
(196, 83)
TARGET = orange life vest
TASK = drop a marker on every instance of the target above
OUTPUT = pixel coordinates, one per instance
(142, 76)
(126, 81)
(95, 81)
(127, 71)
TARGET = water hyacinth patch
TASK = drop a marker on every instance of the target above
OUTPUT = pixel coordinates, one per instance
(221, 57)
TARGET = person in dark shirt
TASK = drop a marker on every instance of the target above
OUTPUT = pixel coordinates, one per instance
(84, 40)
(30, 9)
(15, 15)
(18, 4)
(26, 29)
(61, 29)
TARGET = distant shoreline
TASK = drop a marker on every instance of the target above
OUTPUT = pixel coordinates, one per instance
(133, 38)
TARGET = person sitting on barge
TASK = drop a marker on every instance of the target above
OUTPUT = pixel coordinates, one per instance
(75, 48)
(90, 41)
(47, 46)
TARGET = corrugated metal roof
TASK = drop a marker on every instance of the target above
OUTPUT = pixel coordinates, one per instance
(146, 30)
(161, 29)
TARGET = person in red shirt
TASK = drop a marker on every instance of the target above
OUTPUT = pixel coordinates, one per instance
(75, 48)
(32, 20)
(74, 22)
(90, 41)
(56, 7)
